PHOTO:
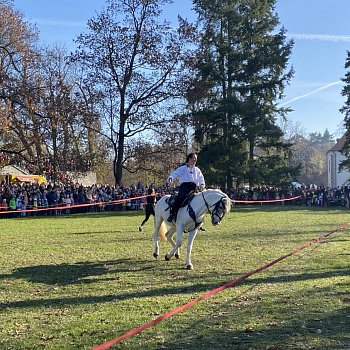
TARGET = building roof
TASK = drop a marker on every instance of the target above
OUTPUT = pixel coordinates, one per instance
(339, 144)
(12, 170)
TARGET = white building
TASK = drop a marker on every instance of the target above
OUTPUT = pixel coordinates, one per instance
(335, 156)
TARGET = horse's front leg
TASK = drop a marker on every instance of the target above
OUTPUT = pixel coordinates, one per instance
(177, 245)
(191, 237)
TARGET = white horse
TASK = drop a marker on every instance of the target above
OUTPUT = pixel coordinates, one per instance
(189, 218)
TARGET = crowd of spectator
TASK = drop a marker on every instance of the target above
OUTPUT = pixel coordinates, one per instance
(23, 199)
(67, 198)
(307, 195)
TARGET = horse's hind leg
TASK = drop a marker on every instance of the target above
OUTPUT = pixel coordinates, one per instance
(191, 237)
(157, 224)
(175, 250)
(169, 236)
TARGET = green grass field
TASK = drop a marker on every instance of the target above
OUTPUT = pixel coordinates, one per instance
(74, 282)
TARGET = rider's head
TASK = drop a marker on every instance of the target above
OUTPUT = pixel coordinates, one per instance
(191, 158)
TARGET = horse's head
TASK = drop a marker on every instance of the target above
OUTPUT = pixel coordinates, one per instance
(221, 207)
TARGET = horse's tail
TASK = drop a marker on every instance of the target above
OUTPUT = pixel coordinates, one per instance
(229, 204)
(162, 231)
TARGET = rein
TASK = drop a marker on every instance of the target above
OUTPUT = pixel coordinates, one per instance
(192, 214)
(206, 203)
(216, 206)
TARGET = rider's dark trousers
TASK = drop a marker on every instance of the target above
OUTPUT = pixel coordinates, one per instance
(184, 189)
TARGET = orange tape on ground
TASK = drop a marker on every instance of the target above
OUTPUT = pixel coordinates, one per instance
(178, 309)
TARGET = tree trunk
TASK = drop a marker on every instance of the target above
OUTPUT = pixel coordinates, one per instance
(251, 162)
(118, 164)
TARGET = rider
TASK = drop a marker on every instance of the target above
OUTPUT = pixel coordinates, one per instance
(189, 177)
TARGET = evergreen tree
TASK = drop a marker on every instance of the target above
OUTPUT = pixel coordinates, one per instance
(346, 111)
(241, 76)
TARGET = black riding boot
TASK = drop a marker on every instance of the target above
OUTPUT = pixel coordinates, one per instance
(170, 218)
(172, 214)
(173, 211)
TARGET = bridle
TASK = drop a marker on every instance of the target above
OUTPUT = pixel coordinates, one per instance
(218, 205)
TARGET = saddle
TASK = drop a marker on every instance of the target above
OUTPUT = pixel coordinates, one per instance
(185, 202)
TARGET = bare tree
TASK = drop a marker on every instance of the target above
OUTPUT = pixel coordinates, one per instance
(18, 57)
(42, 110)
(138, 67)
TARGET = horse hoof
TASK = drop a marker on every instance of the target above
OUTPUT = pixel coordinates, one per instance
(166, 257)
(155, 255)
(177, 256)
(189, 267)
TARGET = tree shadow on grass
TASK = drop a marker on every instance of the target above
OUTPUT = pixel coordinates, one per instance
(329, 328)
(80, 272)
(59, 302)
(63, 275)
(299, 277)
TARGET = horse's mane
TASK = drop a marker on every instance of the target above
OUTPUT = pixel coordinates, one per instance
(228, 208)
(213, 189)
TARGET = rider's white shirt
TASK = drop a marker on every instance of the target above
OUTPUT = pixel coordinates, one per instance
(186, 174)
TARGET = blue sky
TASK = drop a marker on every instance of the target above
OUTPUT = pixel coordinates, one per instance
(320, 29)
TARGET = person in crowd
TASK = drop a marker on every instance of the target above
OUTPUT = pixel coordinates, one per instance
(190, 177)
(3, 207)
(150, 203)
(12, 205)
(18, 201)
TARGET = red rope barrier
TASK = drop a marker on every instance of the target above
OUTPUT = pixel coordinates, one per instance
(265, 200)
(70, 206)
(212, 292)
(62, 207)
